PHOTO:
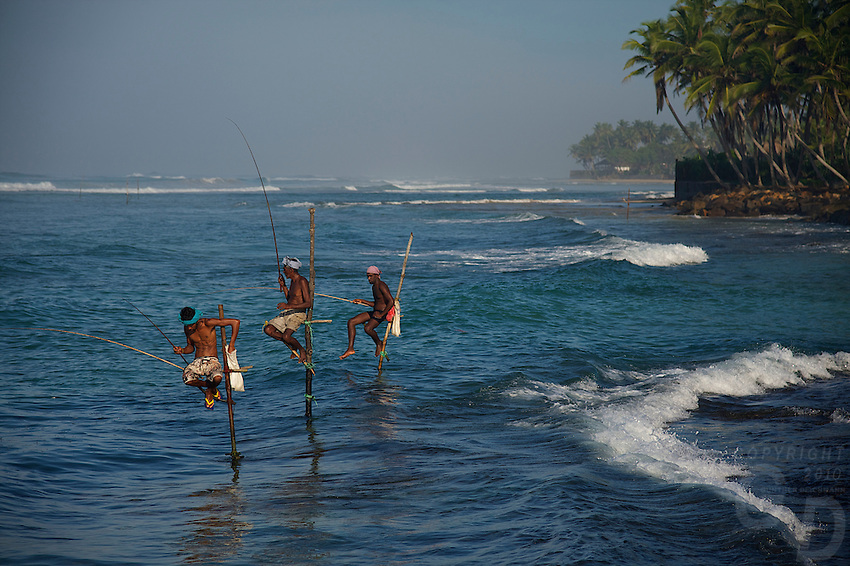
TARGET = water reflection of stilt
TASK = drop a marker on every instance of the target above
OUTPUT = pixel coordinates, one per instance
(304, 491)
(298, 505)
(216, 530)
(382, 397)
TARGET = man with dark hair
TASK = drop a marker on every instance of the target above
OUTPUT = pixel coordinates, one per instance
(293, 310)
(204, 372)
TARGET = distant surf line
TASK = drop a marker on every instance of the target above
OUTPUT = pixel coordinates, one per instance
(429, 202)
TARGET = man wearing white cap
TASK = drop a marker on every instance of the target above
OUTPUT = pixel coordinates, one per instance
(382, 309)
(293, 311)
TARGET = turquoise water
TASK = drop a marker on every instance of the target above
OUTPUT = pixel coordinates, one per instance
(575, 382)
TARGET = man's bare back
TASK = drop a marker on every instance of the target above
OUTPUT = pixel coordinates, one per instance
(201, 338)
(205, 372)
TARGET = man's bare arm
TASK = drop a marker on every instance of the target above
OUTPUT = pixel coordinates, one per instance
(233, 323)
(300, 294)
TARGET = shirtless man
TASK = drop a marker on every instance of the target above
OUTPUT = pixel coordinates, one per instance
(205, 370)
(382, 308)
(294, 310)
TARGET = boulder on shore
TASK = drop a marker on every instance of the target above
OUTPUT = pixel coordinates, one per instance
(819, 206)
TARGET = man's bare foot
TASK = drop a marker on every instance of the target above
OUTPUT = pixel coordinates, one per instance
(346, 353)
(294, 356)
(378, 351)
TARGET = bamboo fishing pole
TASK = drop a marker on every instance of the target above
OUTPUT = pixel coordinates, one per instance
(277, 256)
(278, 289)
(395, 300)
(106, 340)
(157, 327)
(337, 298)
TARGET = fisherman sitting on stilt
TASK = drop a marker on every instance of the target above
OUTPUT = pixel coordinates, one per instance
(382, 309)
(293, 311)
(205, 370)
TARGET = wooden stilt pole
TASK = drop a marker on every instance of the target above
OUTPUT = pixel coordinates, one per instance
(234, 455)
(400, 281)
(308, 331)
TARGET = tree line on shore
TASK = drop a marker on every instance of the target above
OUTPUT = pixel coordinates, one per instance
(637, 149)
(770, 78)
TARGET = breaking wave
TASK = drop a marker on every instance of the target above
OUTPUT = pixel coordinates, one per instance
(642, 254)
(631, 421)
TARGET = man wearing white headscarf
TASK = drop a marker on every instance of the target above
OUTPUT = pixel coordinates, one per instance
(293, 311)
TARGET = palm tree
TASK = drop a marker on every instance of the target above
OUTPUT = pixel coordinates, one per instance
(770, 76)
(660, 55)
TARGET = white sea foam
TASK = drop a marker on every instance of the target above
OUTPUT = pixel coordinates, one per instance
(472, 202)
(654, 255)
(521, 217)
(409, 186)
(20, 187)
(651, 195)
(93, 189)
(631, 421)
(643, 254)
(840, 416)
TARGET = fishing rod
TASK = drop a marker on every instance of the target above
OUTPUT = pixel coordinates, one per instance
(275, 288)
(107, 340)
(337, 298)
(277, 256)
(157, 327)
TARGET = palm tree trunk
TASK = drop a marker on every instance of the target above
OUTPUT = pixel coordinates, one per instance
(821, 160)
(691, 139)
(729, 151)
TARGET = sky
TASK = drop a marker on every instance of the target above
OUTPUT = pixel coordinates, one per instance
(412, 89)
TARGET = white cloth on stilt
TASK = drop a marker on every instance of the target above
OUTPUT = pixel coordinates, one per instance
(395, 323)
(236, 381)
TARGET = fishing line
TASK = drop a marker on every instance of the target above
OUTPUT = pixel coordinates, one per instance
(274, 288)
(157, 327)
(277, 256)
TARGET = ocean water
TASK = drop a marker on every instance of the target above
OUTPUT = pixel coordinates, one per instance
(578, 380)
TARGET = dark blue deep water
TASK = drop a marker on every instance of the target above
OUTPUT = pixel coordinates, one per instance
(576, 381)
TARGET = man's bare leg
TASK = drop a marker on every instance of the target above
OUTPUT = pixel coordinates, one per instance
(286, 337)
(370, 327)
(352, 332)
(207, 388)
(297, 351)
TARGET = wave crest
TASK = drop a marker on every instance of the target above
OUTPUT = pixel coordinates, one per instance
(631, 421)
(647, 254)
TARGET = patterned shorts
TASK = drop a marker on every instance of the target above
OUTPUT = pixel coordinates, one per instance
(289, 320)
(202, 369)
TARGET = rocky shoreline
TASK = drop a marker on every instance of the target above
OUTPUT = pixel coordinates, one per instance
(816, 205)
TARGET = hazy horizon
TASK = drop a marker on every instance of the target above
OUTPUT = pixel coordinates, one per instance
(367, 89)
